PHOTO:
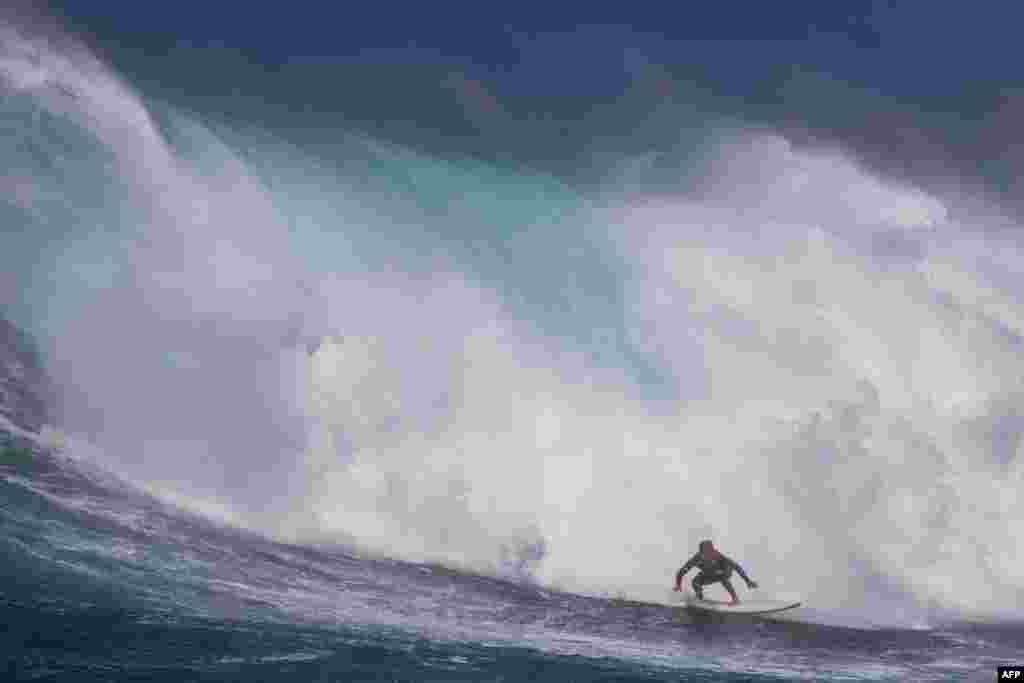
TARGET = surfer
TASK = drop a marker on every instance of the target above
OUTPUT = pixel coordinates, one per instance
(714, 568)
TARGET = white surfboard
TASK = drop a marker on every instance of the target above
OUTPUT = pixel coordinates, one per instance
(744, 607)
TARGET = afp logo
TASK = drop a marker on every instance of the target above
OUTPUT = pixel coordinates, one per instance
(1010, 673)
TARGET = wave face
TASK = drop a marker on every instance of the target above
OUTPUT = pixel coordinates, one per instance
(102, 580)
(468, 364)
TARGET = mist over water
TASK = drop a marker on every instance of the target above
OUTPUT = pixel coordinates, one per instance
(443, 360)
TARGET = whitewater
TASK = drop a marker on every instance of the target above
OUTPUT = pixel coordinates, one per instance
(355, 411)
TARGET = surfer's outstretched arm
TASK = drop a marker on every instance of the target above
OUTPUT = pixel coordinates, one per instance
(685, 568)
(739, 570)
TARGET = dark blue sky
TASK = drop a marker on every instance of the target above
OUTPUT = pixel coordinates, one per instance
(482, 30)
(923, 46)
(918, 88)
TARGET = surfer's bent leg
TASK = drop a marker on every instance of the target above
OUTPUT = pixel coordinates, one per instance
(704, 579)
(707, 578)
(698, 585)
(728, 586)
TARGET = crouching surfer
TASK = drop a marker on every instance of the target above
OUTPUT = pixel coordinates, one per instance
(714, 568)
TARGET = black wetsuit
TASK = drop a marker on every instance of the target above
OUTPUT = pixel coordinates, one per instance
(711, 571)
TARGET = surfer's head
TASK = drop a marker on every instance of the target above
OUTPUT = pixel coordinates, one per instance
(707, 548)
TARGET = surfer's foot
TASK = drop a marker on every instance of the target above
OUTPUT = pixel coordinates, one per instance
(734, 601)
(700, 595)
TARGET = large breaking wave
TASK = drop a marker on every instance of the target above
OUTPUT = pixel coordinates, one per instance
(451, 361)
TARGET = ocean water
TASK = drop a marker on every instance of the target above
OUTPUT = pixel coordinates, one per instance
(102, 582)
(331, 407)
